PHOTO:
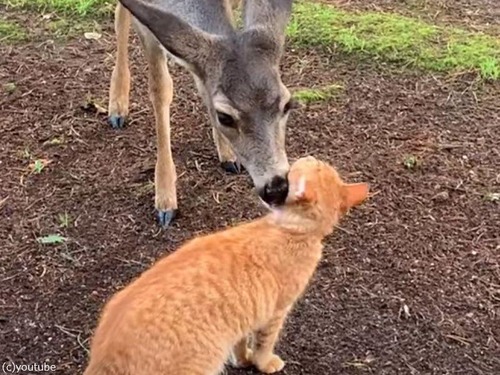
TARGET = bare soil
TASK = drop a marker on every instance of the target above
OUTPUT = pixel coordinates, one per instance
(410, 283)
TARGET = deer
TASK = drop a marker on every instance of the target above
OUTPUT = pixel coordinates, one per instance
(236, 72)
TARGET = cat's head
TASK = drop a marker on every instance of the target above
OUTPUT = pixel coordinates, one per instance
(317, 193)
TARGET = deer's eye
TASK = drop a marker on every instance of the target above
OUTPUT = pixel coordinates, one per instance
(291, 105)
(226, 120)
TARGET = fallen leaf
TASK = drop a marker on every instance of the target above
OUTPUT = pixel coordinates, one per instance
(51, 239)
(92, 106)
(92, 35)
(493, 197)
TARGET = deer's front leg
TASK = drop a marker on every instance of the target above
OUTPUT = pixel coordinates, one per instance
(263, 356)
(225, 153)
(161, 93)
(120, 79)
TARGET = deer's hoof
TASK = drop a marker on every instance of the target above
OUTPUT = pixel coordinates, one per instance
(117, 121)
(233, 167)
(165, 217)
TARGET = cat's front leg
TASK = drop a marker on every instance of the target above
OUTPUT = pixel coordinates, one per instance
(263, 356)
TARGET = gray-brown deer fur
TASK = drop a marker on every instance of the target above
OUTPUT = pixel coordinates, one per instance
(237, 75)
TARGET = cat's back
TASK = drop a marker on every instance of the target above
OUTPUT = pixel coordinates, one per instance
(189, 305)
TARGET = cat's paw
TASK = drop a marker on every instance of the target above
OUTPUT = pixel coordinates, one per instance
(243, 360)
(274, 364)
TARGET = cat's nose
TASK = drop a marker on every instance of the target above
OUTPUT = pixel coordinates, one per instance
(275, 192)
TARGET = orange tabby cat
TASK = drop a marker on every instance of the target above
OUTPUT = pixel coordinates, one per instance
(195, 307)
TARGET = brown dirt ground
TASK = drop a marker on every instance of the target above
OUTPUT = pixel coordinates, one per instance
(409, 285)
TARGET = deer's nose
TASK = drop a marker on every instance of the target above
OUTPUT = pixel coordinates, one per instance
(275, 192)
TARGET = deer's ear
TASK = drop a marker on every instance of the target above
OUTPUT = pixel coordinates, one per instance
(267, 20)
(354, 194)
(190, 45)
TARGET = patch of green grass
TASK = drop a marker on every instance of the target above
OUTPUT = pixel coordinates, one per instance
(11, 31)
(51, 239)
(316, 95)
(80, 8)
(64, 27)
(383, 36)
(38, 165)
(9, 87)
(395, 38)
(64, 18)
(411, 162)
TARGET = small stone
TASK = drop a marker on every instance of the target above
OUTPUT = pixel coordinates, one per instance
(441, 197)
(92, 35)
(406, 311)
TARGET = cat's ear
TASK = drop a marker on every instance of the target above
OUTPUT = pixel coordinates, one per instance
(303, 191)
(354, 194)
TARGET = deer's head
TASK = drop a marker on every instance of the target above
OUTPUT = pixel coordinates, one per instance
(239, 73)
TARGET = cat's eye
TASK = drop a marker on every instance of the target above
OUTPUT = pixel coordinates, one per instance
(290, 106)
(226, 120)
